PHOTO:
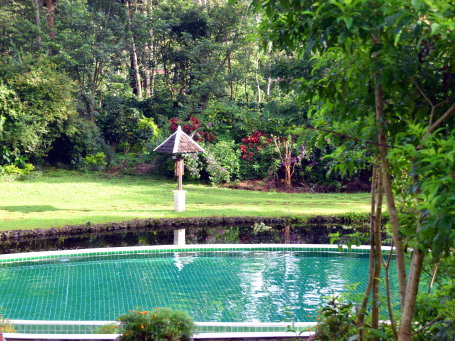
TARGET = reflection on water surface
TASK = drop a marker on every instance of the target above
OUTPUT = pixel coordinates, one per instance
(279, 234)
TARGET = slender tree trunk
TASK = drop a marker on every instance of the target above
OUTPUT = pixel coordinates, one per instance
(36, 7)
(267, 88)
(133, 53)
(287, 174)
(89, 106)
(258, 89)
(50, 18)
(258, 84)
(231, 86)
(148, 52)
(147, 70)
(377, 253)
(387, 186)
(386, 266)
(246, 91)
(152, 81)
(360, 320)
(405, 332)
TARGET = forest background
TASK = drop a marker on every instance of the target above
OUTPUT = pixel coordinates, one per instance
(94, 84)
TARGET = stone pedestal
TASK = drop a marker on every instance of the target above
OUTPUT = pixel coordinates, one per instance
(179, 201)
(179, 237)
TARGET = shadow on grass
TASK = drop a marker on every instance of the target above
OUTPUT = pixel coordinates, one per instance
(30, 208)
(73, 176)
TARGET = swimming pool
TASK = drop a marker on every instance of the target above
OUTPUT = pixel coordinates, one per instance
(212, 283)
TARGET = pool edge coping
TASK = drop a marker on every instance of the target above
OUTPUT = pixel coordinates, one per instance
(25, 256)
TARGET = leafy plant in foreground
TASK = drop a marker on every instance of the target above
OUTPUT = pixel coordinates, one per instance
(158, 324)
(6, 326)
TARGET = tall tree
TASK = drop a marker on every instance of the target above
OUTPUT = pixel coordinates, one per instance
(36, 7)
(133, 48)
(50, 7)
(392, 60)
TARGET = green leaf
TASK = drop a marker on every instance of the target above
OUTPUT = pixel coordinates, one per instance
(348, 22)
(435, 27)
(417, 4)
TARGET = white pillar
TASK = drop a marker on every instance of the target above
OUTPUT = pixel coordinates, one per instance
(179, 201)
(179, 237)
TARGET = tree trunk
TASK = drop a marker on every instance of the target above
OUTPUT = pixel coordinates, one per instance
(147, 65)
(89, 106)
(36, 7)
(405, 332)
(377, 253)
(387, 186)
(258, 84)
(231, 86)
(133, 54)
(147, 70)
(267, 88)
(360, 319)
(50, 18)
(287, 174)
(258, 89)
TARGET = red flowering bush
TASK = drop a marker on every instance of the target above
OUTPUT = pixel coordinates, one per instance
(193, 125)
(258, 156)
(253, 144)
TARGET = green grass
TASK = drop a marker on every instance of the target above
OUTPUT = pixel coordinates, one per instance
(58, 198)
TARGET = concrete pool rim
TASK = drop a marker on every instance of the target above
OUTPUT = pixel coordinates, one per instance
(40, 255)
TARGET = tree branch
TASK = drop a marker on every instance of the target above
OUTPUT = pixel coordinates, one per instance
(422, 93)
(433, 106)
(441, 119)
(350, 137)
(429, 324)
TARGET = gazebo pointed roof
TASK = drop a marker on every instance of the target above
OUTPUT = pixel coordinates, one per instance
(179, 143)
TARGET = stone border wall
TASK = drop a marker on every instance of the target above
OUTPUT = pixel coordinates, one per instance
(173, 223)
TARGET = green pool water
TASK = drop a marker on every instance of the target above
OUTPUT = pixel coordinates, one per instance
(238, 286)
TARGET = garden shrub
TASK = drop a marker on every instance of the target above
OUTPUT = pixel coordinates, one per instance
(94, 162)
(221, 162)
(80, 138)
(259, 157)
(193, 165)
(436, 310)
(124, 125)
(156, 325)
(35, 102)
(336, 321)
(227, 120)
(16, 168)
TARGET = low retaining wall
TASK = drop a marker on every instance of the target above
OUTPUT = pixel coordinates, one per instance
(173, 223)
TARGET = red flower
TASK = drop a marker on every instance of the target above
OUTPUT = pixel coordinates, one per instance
(242, 149)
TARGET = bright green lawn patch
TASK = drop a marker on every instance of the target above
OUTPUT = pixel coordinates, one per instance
(60, 198)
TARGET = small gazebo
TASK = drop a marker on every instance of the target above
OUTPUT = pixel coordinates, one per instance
(178, 144)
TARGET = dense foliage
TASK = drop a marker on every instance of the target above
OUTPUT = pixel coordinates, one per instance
(384, 90)
(80, 77)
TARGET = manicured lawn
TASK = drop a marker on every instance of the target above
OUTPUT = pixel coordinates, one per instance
(59, 198)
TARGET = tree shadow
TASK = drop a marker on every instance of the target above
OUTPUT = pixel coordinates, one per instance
(30, 208)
